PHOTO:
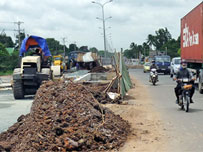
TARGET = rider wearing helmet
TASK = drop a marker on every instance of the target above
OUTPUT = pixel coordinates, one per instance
(183, 72)
(153, 66)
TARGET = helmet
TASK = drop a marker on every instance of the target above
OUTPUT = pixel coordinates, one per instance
(183, 61)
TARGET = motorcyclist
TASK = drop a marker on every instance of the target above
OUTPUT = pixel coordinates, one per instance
(183, 72)
(153, 66)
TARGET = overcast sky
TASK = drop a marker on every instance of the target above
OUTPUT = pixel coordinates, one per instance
(132, 20)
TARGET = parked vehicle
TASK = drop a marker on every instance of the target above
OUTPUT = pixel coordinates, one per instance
(146, 67)
(154, 76)
(184, 97)
(175, 65)
(163, 63)
(84, 60)
(58, 61)
(192, 42)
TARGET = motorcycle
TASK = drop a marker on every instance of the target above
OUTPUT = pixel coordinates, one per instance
(154, 76)
(184, 97)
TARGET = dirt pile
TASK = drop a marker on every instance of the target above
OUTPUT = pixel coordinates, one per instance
(98, 69)
(65, 117)
(97, 91)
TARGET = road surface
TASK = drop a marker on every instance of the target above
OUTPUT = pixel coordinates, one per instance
(185, 130)
(11, 109)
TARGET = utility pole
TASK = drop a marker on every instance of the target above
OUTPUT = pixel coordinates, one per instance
(19, 31)
(166, 50)
(103, 19)
(64, 46)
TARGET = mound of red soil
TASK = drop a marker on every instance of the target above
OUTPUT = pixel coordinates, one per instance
(65, 117)
(98, 69)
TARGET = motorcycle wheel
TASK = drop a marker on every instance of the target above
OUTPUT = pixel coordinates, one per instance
(154, 81)
(181, 103)
(187, 103)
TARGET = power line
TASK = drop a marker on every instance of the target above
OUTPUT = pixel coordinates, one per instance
(19, 30)
(64, 46)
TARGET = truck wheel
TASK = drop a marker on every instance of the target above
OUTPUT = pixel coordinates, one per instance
(18, 91)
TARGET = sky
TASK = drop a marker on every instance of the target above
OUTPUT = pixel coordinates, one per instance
(75, 20)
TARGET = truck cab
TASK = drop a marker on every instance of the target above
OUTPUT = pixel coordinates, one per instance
(163, 63)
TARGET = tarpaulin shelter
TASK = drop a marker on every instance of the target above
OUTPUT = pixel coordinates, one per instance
(33, 42)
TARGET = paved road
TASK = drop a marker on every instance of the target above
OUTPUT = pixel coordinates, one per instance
(184, 129)
(11, 109)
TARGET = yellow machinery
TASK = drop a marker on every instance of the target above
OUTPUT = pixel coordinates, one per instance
(58, 61)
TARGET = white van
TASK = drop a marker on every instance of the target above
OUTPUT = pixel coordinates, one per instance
(175, 65)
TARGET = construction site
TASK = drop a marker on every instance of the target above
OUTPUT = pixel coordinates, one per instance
(70, 110)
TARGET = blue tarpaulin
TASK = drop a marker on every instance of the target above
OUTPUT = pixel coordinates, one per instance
(32, 42)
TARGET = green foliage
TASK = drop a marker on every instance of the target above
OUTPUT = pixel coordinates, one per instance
(55, 47)
(73, 47)
(162, 37)
(161, 41)
(179, 51)
(94, 50)
(6, 41)
(14, 58)
(6, 72)
(136, 50)
(84, 49)
(102, 53)
(171, 47)
(22, 36)
(7, 62)
(4, 58)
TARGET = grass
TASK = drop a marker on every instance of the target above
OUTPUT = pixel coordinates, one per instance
(6, 73)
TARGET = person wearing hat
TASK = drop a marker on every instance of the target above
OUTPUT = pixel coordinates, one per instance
(183, 72)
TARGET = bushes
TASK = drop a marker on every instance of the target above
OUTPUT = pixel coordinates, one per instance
(7, 62)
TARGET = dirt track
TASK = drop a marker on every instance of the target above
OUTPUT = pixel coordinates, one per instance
(147, 129)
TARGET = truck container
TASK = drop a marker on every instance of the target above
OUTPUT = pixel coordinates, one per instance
(192, 42)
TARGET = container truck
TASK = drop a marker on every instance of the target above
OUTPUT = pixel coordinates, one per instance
(192, 42)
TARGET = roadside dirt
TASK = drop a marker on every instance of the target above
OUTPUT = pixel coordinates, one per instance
(147, 129)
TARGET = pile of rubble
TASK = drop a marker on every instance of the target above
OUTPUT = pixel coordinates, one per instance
(65, 117)
(98, 69)
(97, 91)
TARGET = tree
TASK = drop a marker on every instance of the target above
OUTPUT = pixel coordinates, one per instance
(172, 47)
(146, 48)
(150, 40)
(84, 49)
(128, 53)
(22, 37)
(54, 46)
(4, 58)
(73, 47)
(162, 36)
(94, 50)
(6, 40)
